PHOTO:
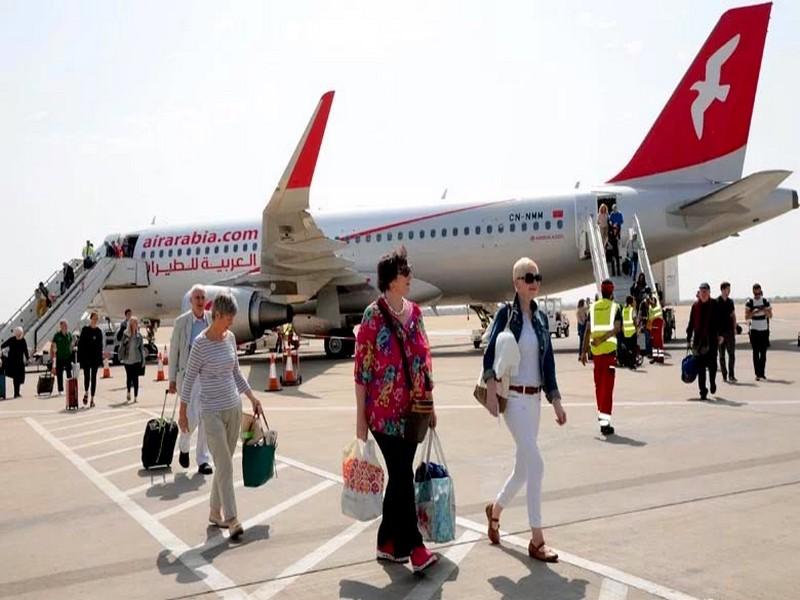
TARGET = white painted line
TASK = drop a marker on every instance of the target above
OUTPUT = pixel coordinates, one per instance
(201, 499)
(40, 411)
(598, 568)
(113, 452)
(218, 538)
(291, 573)
(129, 467)
(437, 576)
(72, 436)
(309, 469)
(111, 439)
(613, 590)
(195, 562)
(80, 415)
(84, 423)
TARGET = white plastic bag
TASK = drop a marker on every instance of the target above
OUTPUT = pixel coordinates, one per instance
(362, 492)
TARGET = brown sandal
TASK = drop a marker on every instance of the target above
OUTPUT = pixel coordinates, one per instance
(493, 532)
(539, 554)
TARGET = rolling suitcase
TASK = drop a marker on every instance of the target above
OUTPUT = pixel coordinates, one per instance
(160, 435)
(44, 386)
(72, 393)
(2, 385)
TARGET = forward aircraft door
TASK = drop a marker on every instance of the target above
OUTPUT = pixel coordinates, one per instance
(585, 207)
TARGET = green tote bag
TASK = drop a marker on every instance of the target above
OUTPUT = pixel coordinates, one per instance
(258, 456)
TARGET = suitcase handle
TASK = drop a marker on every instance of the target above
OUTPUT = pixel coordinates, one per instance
(164, 406)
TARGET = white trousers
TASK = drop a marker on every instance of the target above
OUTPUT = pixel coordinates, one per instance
(522, 418)
(185, 439)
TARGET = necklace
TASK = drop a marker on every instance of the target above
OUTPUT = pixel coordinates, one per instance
(396, 313)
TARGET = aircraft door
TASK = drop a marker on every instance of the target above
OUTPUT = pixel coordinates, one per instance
(585, 207)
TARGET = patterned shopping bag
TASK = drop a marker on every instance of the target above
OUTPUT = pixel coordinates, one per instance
(435, 495)
(362, 492)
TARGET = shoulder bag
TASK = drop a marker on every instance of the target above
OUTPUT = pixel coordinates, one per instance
(480, 393)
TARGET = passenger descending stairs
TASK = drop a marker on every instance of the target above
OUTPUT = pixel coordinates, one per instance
(70, 305)
(622, 283)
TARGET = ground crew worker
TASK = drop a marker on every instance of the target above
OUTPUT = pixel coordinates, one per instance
(88, 255)
(629, 330)
(655, 322)
(605, 323)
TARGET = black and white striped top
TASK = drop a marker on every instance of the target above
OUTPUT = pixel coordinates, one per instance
(216, 365)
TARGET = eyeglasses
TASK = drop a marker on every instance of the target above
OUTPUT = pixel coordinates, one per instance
(531, 277)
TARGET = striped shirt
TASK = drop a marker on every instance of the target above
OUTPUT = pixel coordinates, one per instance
(216, 365)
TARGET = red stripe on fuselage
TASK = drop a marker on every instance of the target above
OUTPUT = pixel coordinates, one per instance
(417, 220)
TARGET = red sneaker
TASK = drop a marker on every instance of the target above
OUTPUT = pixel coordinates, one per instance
(386, 552)
(422, 558)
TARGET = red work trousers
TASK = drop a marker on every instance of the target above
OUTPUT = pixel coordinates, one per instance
(657, 332)
(605, 370)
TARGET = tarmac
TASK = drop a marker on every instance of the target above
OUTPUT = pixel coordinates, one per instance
(691, 500)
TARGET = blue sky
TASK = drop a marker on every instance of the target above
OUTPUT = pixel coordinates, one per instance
(115, 112)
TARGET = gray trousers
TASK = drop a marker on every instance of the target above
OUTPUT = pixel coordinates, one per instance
(728, 344)
(222, 432)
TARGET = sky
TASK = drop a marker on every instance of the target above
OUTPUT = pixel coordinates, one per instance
(116, 113)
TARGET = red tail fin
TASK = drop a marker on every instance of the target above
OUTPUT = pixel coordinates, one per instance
(702, 132)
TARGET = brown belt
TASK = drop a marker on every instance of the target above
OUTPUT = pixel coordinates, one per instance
(527, 389)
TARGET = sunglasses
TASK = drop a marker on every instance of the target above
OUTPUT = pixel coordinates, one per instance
(531, 277)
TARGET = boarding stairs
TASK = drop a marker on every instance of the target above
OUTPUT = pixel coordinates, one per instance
(600, 267)
(73, 302)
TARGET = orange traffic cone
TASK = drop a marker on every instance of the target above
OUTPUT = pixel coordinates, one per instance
(165, 357)
(289, 376)
(160, 374)
(106, 368)
(273, 385)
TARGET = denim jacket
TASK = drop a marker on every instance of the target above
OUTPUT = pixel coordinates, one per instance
(547, 362)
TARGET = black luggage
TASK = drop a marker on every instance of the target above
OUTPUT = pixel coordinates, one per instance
(626, 266)
(160, 435)
(44, 386)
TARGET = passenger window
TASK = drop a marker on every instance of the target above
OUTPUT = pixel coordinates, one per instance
(466, 230)
(547, 225)
(433, 233)
(512, 227)
(536, 225)
(500, 228)
(160, 254)
(180, 252)
(477, 230)
(244, 247)
(152, 253)
(523, 226)
(455, 231)
(236, 247)
(143, 254)
(255, 246)
(368, 238)
(169, 253)
(444, 231)
(358, 239)
(208, 250)
(488, 229)
(378, 237)
(560, 224)
(411, 235)
(225, 249)
(389, 236)
(216, 249)
(421, 233)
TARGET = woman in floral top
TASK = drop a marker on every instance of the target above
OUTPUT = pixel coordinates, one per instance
(383, 402)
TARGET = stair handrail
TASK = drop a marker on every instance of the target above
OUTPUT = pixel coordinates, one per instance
(644, 257)
(598, 255)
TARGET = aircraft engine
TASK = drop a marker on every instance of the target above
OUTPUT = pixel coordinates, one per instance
(256, 313)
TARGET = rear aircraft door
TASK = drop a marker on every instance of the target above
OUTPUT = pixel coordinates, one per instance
(585, 207)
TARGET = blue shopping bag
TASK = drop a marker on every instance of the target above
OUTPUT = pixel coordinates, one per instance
(434, 494)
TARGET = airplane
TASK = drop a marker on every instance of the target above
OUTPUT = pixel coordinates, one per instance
(684, 183)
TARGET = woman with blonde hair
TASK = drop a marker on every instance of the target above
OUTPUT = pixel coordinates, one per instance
(535, 373)
(132, 356)
(602, 223)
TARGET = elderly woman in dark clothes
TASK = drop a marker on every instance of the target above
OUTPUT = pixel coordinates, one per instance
(14, 363)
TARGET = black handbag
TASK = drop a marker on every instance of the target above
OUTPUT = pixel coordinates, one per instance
(142, 369)
(418, 418)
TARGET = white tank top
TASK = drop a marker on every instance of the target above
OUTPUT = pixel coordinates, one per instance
(529, 373)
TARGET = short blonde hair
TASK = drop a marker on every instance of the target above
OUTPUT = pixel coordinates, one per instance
(522, 266)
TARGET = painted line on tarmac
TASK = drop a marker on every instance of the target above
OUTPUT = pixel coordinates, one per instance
(291, 573)
(195, 562)
(72, 436)
(80, 415)
(107, 440)
(200, 499)
(588, 565)
(612, 590)
(84, 423)
(622, 577)
(35, 411)
(218, 538)
(113, 452)
(435, 580)
(130, 466)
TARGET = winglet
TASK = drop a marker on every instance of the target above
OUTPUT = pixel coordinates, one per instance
(701, 134)
(300, 170)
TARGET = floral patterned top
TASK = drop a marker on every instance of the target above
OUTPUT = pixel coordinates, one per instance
(379, 367)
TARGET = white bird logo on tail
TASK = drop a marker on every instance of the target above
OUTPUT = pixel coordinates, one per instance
(709, 89)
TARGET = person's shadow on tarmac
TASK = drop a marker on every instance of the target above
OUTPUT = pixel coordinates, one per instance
(621, 440)
(402, 582)
(543, 582)
(179, 486)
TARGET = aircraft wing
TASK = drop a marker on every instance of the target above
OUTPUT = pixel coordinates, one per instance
(738, 197)
(297, 260)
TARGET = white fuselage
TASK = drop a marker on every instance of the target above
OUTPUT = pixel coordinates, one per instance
(459, 253)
